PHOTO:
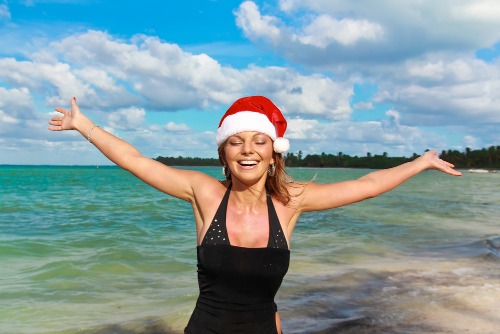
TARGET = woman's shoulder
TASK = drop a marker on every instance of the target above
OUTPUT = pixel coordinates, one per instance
(296, 188)
(206, 185)
(298, 192)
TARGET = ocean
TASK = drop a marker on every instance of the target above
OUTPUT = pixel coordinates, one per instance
(93, 250)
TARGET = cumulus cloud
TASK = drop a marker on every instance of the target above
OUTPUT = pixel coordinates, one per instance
(127, 119)
(119, 80)
(452, 92)
(255, 25)
(422, 56)
(359, 35)
(298, 94)
(174, 127)
(37, 76)
(6, 118)
(303, 129)
(17, 103)
(109, 73)
(325, 30)
(358, 138)
(484, 10)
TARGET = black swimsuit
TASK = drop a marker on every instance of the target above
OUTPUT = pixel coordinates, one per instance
(238, 284)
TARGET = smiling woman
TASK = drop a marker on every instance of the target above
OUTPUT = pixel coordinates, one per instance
(244, 223)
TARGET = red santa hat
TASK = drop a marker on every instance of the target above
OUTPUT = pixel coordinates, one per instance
(254, 113)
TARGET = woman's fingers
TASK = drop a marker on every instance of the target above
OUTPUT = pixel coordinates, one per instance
(64, 122)
(55, 123)
(61, 110)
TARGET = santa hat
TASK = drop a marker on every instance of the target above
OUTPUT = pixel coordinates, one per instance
(254, 113)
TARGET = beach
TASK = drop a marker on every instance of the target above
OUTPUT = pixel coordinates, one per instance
(94, 250)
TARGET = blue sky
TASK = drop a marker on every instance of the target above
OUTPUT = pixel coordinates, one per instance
(350, 76)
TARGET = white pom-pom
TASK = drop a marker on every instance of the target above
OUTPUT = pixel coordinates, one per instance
(281, 145)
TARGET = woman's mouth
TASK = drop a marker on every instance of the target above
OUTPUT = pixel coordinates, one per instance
(248, 163)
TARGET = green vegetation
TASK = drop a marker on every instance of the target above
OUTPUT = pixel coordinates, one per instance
(181, 161)
(485, 158)
(344, 160)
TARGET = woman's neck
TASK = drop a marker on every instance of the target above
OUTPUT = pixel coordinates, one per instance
(248, 195)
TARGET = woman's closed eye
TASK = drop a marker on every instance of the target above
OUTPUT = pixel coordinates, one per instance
(235, 142)
(260, 140)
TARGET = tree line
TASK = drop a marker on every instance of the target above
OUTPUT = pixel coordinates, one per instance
(487, 158)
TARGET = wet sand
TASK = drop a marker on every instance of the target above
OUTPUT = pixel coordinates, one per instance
(441, 297)
(444, 297)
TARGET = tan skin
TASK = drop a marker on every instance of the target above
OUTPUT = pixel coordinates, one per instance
(248, 155)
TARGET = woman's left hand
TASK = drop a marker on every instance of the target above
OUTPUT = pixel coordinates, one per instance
(67, 119)
(434, 162)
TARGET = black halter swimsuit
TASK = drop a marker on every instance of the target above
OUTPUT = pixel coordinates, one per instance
(238, 284)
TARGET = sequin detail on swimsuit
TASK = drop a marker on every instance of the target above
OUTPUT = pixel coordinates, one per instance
(216, 234)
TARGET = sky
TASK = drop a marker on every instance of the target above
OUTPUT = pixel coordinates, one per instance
(350, 76)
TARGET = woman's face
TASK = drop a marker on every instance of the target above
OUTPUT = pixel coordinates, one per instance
(248, 155)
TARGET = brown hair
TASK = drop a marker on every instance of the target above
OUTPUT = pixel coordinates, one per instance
(276, 184)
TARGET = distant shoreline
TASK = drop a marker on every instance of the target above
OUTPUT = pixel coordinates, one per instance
(52, 166)
(468, 170)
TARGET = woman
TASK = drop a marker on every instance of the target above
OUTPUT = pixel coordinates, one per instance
(244, 223)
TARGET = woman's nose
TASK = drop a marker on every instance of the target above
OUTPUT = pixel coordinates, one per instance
(247, 148)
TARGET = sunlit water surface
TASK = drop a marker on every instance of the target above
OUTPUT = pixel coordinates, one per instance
(93, 250)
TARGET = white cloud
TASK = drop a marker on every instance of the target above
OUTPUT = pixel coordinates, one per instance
(174, 127)
(162, 74)
(302, 129)
(16, 102)
(470, 141)
(394, 116)
(6, 119)
(297, 94)
(325, 30)
(99, 68)
(167, 143)
(482, 10)
(100, 79)
(37, 76)
(358, 138)
(458, 91)
(255, 25)
(363, 35)
(428, 70)
(127, 119)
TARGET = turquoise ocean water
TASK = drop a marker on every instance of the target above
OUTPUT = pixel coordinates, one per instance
(93, 250)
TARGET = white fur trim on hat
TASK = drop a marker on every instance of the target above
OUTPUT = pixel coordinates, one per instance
(245, 121)
(281, 145)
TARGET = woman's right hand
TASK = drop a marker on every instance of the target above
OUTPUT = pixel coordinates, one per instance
(68, 120)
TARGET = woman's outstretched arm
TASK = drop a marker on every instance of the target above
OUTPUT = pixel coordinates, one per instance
(328, 196)
(172, 181)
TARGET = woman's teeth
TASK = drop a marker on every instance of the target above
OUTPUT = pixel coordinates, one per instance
(248, 163)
